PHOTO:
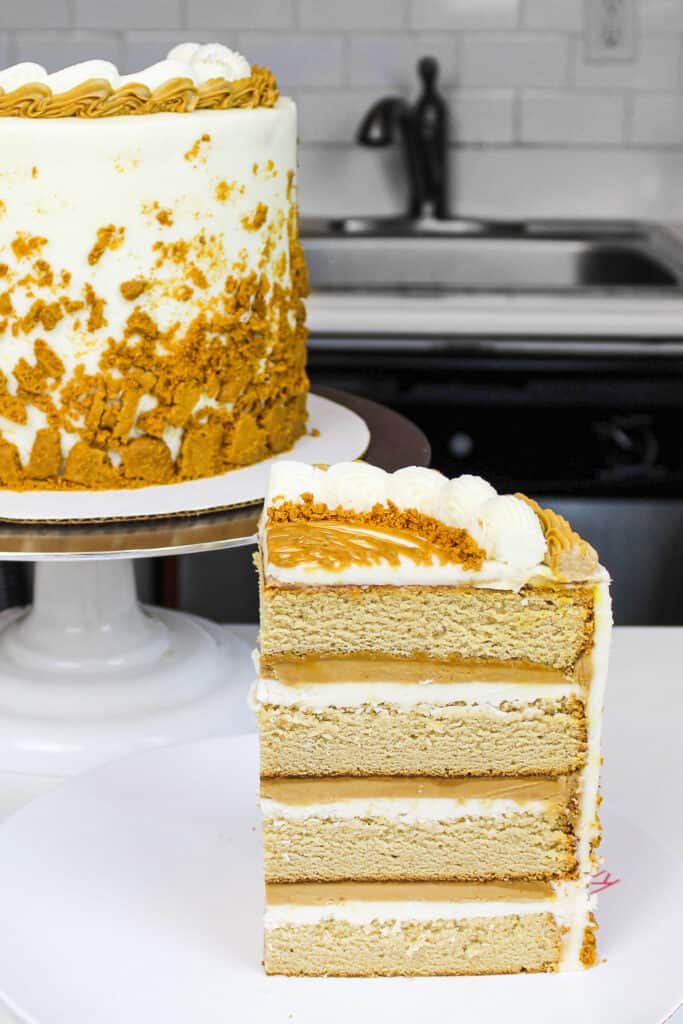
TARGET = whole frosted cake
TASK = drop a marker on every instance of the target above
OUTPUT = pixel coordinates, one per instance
(431, 677)
(151, 279)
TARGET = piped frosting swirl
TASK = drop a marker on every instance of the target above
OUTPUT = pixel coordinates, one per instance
(193, 77)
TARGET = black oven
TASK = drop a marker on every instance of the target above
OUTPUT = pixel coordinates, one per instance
(596, 431)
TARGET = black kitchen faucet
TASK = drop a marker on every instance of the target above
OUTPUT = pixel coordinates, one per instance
(422, 129)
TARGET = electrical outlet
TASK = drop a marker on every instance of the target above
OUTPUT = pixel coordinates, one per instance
(610, 30)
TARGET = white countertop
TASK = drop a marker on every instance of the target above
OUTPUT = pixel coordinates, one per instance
(358, 314)
(644, 698)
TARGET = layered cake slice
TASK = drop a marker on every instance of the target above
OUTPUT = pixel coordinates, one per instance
(431, 675)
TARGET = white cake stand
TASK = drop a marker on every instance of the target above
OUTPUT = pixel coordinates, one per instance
(87, 674)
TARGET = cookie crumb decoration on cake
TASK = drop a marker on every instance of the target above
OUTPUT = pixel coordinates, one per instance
(152, 325)
(430, 685)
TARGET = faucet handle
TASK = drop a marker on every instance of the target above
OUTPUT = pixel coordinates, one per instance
(378, 127)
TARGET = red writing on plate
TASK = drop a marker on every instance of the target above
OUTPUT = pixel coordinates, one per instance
(602, 880)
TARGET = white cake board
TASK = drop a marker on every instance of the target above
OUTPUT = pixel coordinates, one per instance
(135, 894)
(342, 436)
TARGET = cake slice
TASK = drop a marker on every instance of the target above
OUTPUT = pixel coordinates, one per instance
(430, 684)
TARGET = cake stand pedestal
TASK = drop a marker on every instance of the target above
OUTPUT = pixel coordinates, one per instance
(87, 674)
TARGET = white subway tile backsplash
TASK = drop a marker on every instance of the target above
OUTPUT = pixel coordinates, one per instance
(657, 120)
(514, 59)
(657, 66)
(482, 116)
(25, 14)
(297, 58)
(388, 60)
(353, 14)
(248, 14)
(572, 119)
(127, 14)
(4, 49)
(464, 14)
(661, 16)
(329, 117)
(56, 50)
(553, 15)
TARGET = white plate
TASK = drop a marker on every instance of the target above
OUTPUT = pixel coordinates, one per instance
(343, 435)
(134, 895)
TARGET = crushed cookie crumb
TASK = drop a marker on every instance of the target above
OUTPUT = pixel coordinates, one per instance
(195, 152)
(223, 191)
(109, 237)
(165, 218)
(256, 220)
(25, 244)
(96, 307)
(132, 290)
(43, 272)
(197, 276)
(34, 172)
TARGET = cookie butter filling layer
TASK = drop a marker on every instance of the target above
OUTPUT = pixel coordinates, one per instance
(355, 524)
(411, 799)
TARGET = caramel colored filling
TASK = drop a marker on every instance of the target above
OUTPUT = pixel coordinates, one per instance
(332, 539)
(301, 792)
(317, 893)
(364, 668)
(97, 98)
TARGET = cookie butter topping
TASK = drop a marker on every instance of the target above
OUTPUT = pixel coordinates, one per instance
(362, 525)
(192, 76)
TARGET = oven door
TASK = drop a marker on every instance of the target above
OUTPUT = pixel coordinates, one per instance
(600, 438)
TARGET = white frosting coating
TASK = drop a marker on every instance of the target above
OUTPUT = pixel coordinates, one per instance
(69, 77)
(602, 639)
(121, 171)
(462, 498)
(366, 483)
(22, 74)
(217, 61)
(184, 52)
(418, 488)
(401, 810)
(490, 695)
(511, 531)
(157, 74)
(196, 61)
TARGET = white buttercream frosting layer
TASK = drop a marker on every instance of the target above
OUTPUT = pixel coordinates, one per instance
(490, 695)
(403, 810)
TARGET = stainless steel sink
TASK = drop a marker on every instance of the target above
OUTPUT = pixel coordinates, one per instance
(470, 255)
